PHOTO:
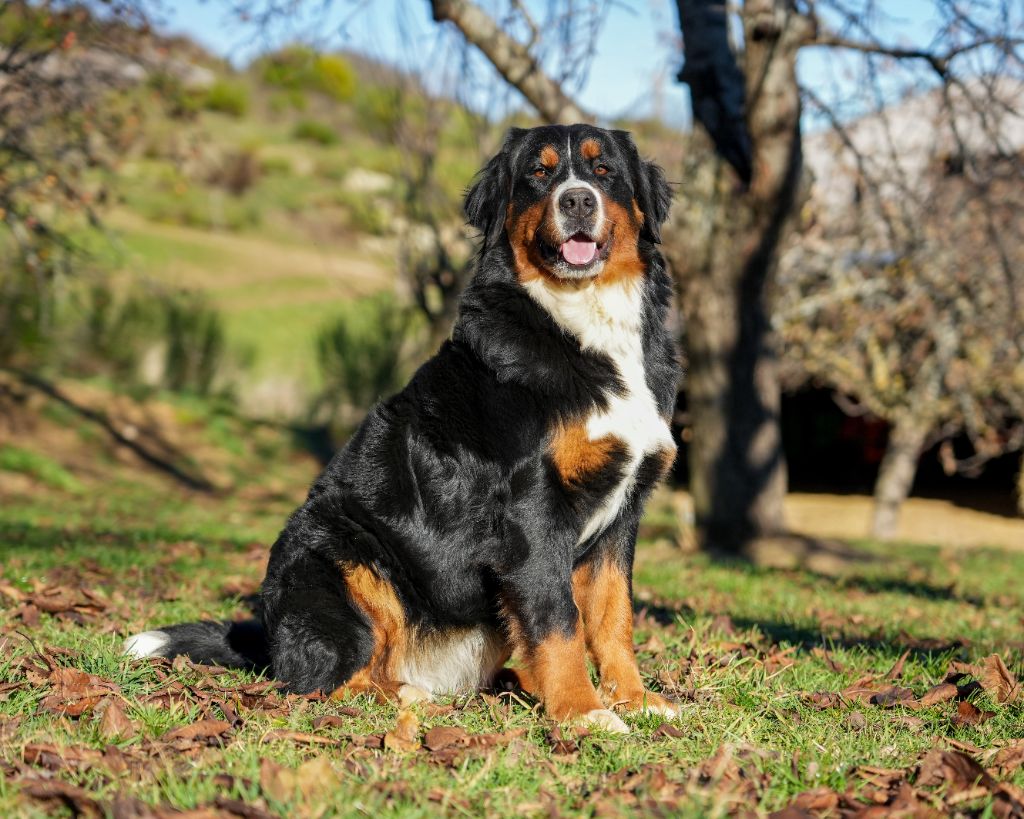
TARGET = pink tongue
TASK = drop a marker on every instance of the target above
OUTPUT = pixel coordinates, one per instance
(576, 252)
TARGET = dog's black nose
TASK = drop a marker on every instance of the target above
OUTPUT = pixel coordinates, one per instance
(578, 202)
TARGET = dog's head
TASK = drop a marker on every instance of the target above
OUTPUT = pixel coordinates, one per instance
(575, 201)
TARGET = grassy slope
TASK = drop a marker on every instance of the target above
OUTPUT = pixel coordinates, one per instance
(159, 557)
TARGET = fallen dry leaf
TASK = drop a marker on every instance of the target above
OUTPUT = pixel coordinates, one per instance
(114, 723)
(897, 670)
(444, 736)
(276, 781)
(404, 736)
(298, 737)
(969, 714)
(939, 693)
(953, 769)
(1010, 758)
(204, 729)
(56, 792)
(999, 681)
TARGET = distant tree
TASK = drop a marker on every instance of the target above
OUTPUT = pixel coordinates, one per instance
(908, 297)
(58, 62)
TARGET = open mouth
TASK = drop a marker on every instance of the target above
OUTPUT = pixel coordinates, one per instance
(578, 252)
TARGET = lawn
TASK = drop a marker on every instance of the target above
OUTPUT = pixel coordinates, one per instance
(871, 691)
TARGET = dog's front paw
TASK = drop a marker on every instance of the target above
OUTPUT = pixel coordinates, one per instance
(647, 702)
(606, 720)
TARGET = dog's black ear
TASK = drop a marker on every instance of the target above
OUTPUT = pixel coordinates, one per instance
(651, 189)
(489, 195)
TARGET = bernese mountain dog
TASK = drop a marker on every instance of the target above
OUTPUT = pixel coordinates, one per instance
(490, 508)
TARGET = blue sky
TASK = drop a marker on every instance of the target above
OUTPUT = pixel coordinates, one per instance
(633, 71)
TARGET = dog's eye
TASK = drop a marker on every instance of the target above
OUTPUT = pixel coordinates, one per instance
(601, 170)
(540, 173)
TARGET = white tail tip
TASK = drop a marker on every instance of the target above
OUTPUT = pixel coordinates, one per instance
(147, 644)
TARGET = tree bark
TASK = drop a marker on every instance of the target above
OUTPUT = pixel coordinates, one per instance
(511, 59)
(723, 251)
(896, 475)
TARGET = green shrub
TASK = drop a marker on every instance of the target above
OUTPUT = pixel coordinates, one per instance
(360, 358)
(313, 131)
(227, 97)
(379, 110)
(299, 68)
(334, 77)
(115, 333)
(194, 335)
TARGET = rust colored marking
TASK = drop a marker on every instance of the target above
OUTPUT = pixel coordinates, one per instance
(549, 157)
(576, 456)
(522, 234)
(557, 669)
(623, 262)
(603, 596)
(379, 602)
(637, 213)
(590, 149)
(666, 458)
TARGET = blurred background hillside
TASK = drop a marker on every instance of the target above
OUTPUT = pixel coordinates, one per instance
(228, 230)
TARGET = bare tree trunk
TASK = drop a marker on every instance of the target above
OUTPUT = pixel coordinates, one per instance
(723, 249)
(896, 475)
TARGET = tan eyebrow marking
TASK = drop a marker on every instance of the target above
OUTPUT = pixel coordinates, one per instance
(590, 149)
(549, 157)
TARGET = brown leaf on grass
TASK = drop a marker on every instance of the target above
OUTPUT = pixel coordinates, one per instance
(894, 695)
(1010, 758)
(316, 777)
(313, 779)
(819, 799)
(8, 727)
(329, 721)
(74, 692)
(55, 792)
(114, 723)
(823, 700)
(561, 744)
(969, 714)
(942, 692)
(897, 670)
(666, 729)
(204, 729)
(445, 736)
(298, 737)
(276, 781)
(59, 758)
(953, 769)
(999, 681)
(405, 735)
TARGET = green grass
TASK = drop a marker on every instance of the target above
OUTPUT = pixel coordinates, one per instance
(43, 469)
(161, 557)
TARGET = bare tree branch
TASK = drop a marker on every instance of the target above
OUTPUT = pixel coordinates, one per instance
(511, 59)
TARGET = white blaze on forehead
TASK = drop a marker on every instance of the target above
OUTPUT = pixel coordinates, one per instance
(573, 181)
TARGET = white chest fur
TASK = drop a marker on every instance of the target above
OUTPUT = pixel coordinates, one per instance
(607, 319)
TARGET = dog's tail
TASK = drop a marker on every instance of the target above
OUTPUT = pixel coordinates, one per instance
(239, 644)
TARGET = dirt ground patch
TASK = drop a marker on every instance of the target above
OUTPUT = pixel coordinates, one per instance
(924, 520)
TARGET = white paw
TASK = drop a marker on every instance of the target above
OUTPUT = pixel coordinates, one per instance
(146, 644)
(606, 720)
(408, 694)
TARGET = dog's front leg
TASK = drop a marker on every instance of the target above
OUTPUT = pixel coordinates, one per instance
(546, 630)
(601, 589)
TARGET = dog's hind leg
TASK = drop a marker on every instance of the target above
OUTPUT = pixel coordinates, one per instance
(319, 639)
